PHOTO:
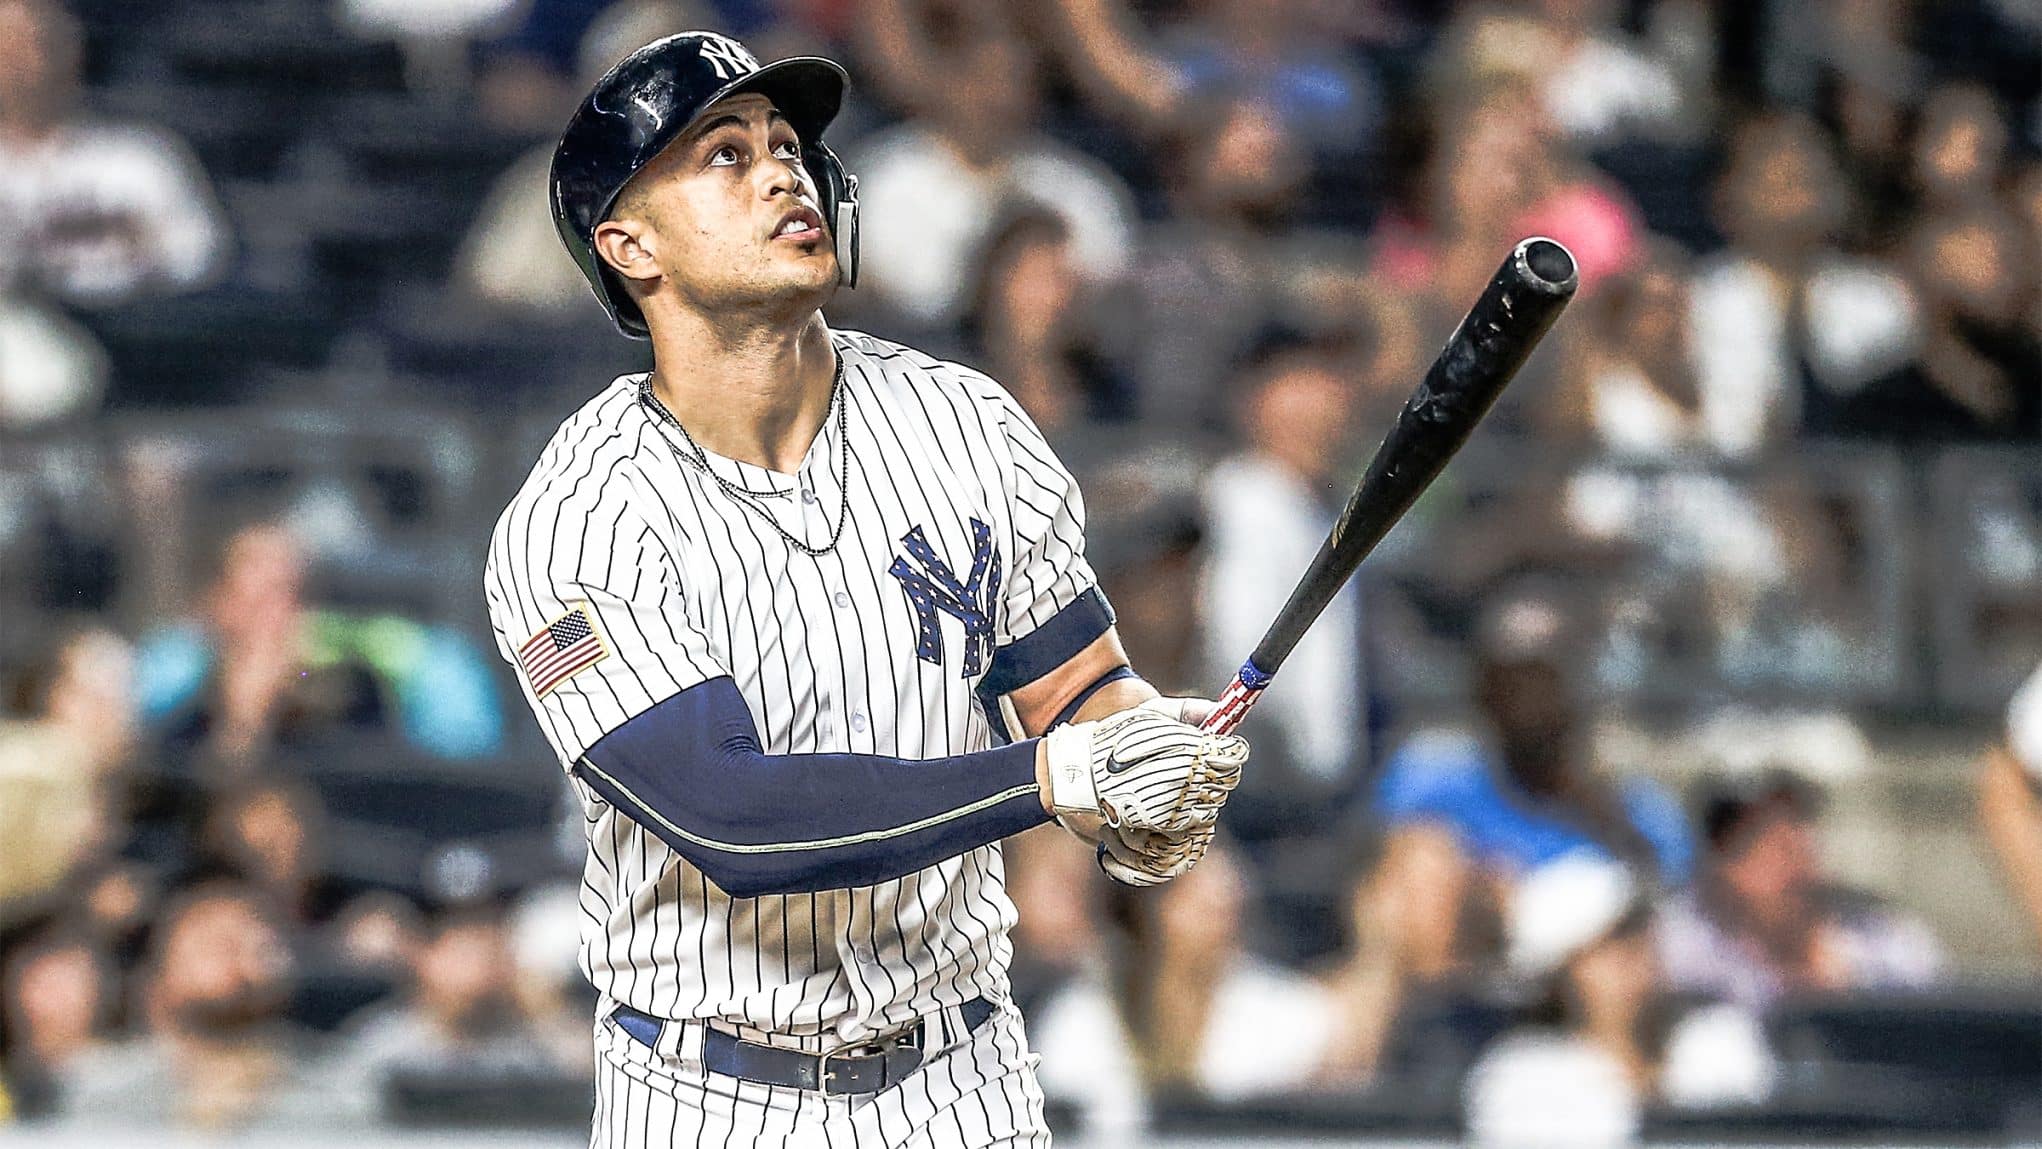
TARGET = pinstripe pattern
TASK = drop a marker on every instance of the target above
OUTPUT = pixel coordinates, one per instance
(685, 584)
(979, 1092)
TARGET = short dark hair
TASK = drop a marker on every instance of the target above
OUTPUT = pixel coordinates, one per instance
(1726, 805)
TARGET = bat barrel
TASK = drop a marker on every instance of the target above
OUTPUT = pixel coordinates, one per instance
(1498, 334)
(1544, 265)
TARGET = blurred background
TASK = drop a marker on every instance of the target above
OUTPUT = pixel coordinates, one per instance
(1658, 777)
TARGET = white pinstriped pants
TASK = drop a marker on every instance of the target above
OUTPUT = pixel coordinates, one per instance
(980, 1093)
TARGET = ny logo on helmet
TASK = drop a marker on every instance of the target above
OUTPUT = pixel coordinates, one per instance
(934, 590)
(728, 57)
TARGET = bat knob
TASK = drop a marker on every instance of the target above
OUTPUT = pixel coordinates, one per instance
(1549, 264)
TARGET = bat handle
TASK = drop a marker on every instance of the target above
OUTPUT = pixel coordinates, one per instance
(1237, 699)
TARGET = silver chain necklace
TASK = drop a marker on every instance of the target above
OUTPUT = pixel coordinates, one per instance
(746, 495)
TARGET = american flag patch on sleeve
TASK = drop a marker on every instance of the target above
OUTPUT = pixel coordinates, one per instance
(568, 645)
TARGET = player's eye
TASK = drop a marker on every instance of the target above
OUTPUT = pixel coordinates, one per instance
(787, 150)
(723, 157)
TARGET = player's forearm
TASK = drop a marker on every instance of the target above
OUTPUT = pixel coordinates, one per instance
(691, 772)
(1113, 698)
(1087, 683)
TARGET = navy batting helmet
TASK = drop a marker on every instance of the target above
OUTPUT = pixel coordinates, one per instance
(646, 101)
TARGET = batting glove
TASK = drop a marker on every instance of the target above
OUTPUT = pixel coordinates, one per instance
(1152, 859)
(1137, 770)
(1189, 711)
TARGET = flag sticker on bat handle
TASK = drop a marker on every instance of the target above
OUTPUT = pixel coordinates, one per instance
(1235, 701)
(1493, 340)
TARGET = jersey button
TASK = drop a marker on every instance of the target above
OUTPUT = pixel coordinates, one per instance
(842, 599)
(858, 722)
(807, 496)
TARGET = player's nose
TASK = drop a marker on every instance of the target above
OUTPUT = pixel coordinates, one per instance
(778, 175)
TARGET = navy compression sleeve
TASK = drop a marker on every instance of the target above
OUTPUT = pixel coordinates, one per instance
(690, 771)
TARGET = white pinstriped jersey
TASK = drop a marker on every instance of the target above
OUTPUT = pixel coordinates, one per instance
(684, 582)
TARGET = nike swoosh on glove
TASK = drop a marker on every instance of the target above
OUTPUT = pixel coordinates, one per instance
(1137, 769)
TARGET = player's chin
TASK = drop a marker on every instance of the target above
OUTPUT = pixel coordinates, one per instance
(805, 265)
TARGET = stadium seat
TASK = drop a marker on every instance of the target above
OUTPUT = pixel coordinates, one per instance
(1977, 1039)
(237, 134)
(288, 48)
(449, 1099)
(202, 348)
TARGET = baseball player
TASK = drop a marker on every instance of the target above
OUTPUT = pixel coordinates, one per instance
(777, 604)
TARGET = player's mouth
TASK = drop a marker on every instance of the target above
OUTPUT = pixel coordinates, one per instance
(800, 225)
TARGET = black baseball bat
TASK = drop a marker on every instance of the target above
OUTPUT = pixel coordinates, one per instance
(1493, 340)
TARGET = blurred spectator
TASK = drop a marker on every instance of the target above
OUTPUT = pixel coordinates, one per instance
(1287, 58)
(1058, 937)
(1266, 510)
(1852, 61)
(1750, 579)
(54, 1002)
(512, 256)
(931, 188)
(246, 653)
(1783, 319)
(1038, 327)
(1630, 386)
(216, 1054)
(553, 996)
(1497, 175)
(435, 34)
(462, 1015)
(1976, 371)
(90, 212)
(1583, 1073)
(452, 19)
(1596, 83)
(1960, 149)
(1229, 266)
(377, 933)
(58, 763)
(51, 370)
(118, 901)
(1268, 54)
(269, 833)
(1180, 1004)
(1146, 538)
(1763, 921)
(1468, 816)
(2028, 205)
(2010, 800)
(1805, 614)
(261, 668)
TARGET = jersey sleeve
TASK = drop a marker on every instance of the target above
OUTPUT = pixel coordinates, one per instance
(586, 606)
(1051, 607)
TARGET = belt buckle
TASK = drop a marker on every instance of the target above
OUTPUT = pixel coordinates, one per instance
(873, 1054)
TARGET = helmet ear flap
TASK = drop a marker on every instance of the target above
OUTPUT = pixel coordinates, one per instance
(838, 190)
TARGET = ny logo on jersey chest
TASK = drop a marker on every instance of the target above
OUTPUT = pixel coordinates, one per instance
(933, 590)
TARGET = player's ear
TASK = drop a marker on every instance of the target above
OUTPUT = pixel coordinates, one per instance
(627, 245)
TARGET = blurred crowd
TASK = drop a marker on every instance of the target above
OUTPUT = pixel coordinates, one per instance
(276, 845)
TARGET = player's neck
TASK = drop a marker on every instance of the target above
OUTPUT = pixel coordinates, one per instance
(758, 396)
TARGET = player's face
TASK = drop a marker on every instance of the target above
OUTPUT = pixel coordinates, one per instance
(727, 215)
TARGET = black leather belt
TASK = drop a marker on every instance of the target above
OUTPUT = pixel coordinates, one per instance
(866, 1068)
